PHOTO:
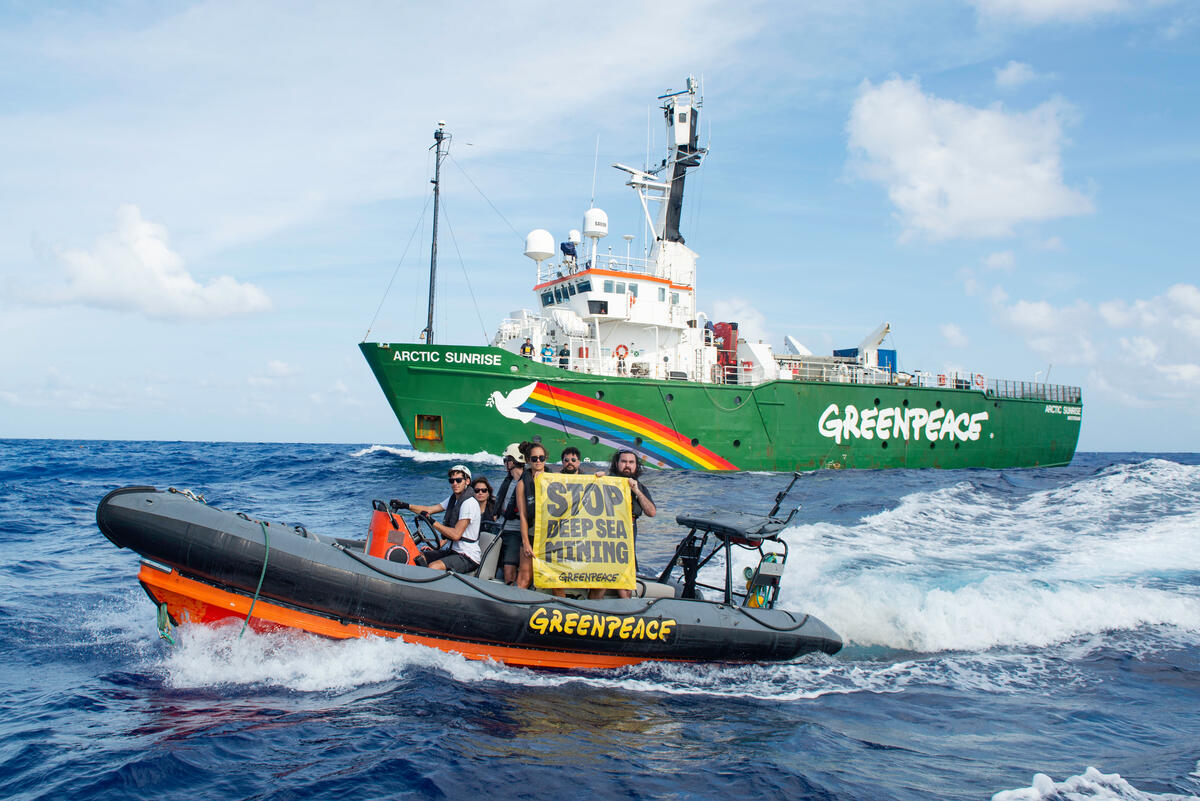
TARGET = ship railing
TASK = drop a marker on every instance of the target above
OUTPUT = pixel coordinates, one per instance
(549, 271)
(1059, 393)
(799, 370)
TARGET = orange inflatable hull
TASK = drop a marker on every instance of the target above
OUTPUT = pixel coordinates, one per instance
(190, 601)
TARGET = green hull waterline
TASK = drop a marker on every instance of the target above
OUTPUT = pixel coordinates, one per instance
(461, 399)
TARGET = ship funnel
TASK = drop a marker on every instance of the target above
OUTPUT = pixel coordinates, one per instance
(539, 245)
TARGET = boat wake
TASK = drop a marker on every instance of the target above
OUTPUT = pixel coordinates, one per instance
(480, 457)
(971, 568)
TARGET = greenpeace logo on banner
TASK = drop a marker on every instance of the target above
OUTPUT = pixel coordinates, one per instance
(900, 423)
(583, 532)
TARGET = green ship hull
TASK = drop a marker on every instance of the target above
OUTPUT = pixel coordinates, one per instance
(460, 399)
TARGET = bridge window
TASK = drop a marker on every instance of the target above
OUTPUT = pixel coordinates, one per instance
(662, 294)
(585, 286)
(570, 289)
(608, 286)
(620, 287)
(547, 298)
(633, 290)
(674, 298)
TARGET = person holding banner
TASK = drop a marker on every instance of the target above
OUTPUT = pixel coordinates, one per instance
(535, 465)
(570, 460)
(627, 464)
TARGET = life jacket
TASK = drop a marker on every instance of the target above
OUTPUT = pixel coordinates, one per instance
(527, 481)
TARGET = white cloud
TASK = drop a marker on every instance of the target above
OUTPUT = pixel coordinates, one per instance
(954, 336)
(752, 324)
(1002, 260)
(1041, 11)
(1014, 74)
(1141, 352)
(134, 269)
(953, 170)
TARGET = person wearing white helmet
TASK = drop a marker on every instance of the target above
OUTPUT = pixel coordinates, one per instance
(508, 518)
(458, 550)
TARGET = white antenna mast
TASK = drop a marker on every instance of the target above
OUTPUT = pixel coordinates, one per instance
(595, 167)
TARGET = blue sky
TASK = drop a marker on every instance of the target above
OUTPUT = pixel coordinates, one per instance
(203, 204)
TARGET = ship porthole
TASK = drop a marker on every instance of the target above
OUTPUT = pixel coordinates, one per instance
(956, 445)
(637, 440)
(996, 404)
(536, 438)
(670, 397)
(595, 440)
(932, 445)
(877, 401)
(883, 444)
(938, 404)
(737, 443)
(905, 402)
(695, 442)
(737, 399)
(599, 394)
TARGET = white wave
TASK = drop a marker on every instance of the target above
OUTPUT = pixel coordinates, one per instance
(213, 656)
(961, 568)
(481, 457)
(998, 611)
(1091, 786)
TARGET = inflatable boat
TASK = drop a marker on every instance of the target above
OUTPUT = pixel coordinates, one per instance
(205, 565)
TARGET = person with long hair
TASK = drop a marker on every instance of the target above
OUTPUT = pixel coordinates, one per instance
(535, 465)
(481, 488)
(627, 464)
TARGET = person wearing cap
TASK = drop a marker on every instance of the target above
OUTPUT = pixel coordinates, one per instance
(458, 551)
(508, 517)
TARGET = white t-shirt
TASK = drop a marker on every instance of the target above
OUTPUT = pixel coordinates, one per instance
(468, 510)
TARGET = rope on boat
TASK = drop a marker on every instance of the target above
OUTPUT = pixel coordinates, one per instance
(164, 624)
(261, 576)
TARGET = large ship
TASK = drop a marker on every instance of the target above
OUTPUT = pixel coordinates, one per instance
(616, 355)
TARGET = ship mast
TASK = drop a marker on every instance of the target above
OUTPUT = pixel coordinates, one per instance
(439, 137)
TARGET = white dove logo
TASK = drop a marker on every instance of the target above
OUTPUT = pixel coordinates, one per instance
(508, 405)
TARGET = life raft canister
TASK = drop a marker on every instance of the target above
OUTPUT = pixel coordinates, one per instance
(583, 352)
(941, 379)
(388, 537)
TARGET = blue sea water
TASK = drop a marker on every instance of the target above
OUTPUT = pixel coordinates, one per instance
(1017, 634)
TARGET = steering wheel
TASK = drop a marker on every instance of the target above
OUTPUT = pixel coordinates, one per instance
(419, 538)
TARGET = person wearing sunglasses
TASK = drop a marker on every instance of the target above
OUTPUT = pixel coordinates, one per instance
(535, 465)
(458, 550)
(481, 488)
(570, 460)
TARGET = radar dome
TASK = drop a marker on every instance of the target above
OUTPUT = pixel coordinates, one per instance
(573, 237)
(539, 245)
(595, 224)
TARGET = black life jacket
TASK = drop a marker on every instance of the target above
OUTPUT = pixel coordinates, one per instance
(527, 481)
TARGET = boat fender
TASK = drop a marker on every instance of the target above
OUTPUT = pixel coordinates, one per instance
(620, 351)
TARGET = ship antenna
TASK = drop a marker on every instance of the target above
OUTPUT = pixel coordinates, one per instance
(439, 137)
(595, 167)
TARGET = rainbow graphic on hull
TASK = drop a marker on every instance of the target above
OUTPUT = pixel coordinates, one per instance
(607, 424)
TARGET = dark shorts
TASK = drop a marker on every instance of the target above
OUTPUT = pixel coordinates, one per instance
(454, 561)
(510, 547)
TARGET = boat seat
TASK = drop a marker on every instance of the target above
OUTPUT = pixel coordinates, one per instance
(489, 550)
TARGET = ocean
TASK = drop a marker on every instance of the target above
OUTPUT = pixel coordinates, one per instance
(1015, 634)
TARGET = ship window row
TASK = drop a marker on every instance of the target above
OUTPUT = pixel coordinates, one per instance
(620, 288)
(563, 293)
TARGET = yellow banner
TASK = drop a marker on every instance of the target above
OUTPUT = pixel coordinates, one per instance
(583, 532)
